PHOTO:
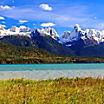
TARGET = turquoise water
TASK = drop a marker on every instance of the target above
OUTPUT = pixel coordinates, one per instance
(51, 71)
(31, 67)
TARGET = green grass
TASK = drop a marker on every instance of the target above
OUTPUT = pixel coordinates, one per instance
(58, 91)
(10, 54)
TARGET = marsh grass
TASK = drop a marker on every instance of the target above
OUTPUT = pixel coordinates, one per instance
(58, 91)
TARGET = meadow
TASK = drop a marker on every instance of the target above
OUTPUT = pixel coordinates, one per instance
(58, 91)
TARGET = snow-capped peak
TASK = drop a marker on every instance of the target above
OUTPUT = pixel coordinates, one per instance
(86, 35)
(26, 31)
(22, 31)
(71, 36)
(77, 27)
(48, 31)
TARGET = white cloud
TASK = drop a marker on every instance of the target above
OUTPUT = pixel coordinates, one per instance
(48, 24)
(63, 17)
(2, 18)
(22, 21)
(6, 7)
(46, 7)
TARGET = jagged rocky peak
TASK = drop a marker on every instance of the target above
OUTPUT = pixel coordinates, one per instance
(66, 34)
(17, 31)
(47, 31)
(77, 27)
(87, 35)
(71, 36)
(20, 29)
(26, 31)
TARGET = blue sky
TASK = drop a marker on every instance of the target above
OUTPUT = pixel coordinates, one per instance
(60, 14)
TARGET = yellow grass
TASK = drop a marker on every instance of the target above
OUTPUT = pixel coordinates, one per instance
(58, 91)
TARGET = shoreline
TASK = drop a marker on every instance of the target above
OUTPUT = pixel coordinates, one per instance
(50, 74)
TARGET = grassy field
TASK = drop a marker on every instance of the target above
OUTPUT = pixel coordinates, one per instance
(58, 91)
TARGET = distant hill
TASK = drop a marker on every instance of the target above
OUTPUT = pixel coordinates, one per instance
(92, 51)
(11, 54)
(50, 44)
(19, 54)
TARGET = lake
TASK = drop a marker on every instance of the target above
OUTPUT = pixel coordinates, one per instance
(50, 71)
(30, 67)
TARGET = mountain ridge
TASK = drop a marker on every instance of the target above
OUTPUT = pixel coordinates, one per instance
(78, 42)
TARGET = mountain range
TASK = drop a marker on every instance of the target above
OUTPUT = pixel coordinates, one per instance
(78, 42)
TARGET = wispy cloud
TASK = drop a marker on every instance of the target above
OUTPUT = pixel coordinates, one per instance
(62, 16)
(6, 7)
(48, 24)
(2, 18)
(22, 21)
(46, 7)
(3, 22)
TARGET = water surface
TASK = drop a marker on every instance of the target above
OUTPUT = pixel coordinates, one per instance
(50, 71)
(31, 67)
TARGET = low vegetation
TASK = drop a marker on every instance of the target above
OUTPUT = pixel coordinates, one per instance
(10, 54)
(58, 91)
